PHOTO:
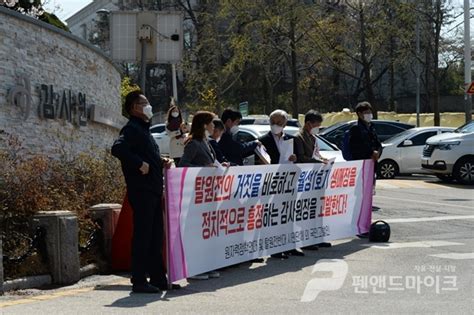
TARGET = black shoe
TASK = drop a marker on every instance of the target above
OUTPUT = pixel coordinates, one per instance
(144, 288)
(324, 244)
(311, 247)
(280, 255)
(164, 286)
(258, 260)
(294, 252)
(363, 235)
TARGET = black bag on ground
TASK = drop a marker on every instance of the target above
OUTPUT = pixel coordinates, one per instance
(379, 231)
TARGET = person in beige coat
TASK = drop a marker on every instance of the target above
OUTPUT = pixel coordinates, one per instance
(176, 129)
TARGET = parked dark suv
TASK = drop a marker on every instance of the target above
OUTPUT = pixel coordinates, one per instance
(384, 128)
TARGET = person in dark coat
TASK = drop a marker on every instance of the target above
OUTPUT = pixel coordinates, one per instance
(214, 139)
(142, 167)
(272, 141)
(233, 150)
(363, 141)
(198, 152)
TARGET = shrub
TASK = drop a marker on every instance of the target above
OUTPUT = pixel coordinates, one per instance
(32, 183)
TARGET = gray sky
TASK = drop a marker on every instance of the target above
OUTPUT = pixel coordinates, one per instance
(65, 8)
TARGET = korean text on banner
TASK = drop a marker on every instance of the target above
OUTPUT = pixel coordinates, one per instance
(220, 217)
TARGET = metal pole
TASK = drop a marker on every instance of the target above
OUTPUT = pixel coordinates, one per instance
(143, 66)
(467, 62)
(417, 73)
(166, 232)
(175, 83)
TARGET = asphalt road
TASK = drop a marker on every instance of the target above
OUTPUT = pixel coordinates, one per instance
(426, 268)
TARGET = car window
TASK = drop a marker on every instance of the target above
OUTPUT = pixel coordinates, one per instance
(386, 129)
(398, 137)
(333, 127)
(323, 146)
(421, 138)
(247, 121)
(466, 128)
(293, 123)
(157, 128)
(339, 132)
(244, 136)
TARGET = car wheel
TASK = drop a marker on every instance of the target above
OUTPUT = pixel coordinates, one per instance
(387, 169)
(445, 177)
(463, 171)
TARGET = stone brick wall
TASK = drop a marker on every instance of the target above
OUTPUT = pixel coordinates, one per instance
(46, 55)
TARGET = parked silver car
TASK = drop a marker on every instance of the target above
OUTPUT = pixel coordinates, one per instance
(402, 153)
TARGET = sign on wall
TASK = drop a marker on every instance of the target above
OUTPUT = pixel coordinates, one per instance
(65, 104)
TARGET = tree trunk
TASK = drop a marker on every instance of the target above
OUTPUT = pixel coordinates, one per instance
(269, 99)
(366, 64)
(391, 103)
(294, 73)
(437, 25)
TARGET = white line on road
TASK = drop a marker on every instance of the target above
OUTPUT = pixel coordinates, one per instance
(426, 219)
(423, 244)
(455, 256)
(428, 202)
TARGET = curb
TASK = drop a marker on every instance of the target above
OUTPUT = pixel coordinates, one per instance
(42, 280)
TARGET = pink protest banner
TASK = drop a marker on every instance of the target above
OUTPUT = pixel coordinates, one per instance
(220, 217)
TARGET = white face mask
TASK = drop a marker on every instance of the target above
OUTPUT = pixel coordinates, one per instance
(218, 139)
(234, 129)
(276, 130)
(315, 130)
(175, 114)
(148, 111)
(368, 117)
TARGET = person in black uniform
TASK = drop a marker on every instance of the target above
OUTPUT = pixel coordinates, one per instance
(142, 167)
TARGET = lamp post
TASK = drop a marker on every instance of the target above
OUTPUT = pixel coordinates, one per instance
(418, 72)
(467, 62)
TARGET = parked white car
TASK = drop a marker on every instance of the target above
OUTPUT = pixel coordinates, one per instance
(451, 155)
(163, 141)
(402, 153)
(252, 132)
(158, 128)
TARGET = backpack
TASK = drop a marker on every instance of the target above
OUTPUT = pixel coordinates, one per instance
(346, 148)
(379, 232)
